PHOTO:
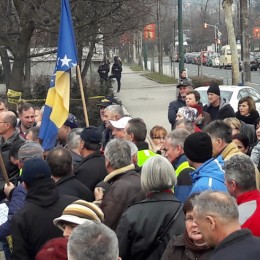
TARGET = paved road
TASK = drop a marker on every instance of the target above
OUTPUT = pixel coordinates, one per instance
(224, 74)
(145, 98)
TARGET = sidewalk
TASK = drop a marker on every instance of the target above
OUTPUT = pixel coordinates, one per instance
(145, 98)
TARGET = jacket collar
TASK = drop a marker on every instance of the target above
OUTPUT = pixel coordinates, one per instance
(117, 172)
(229, 150)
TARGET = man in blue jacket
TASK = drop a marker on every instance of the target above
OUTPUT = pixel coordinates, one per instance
(208, 174)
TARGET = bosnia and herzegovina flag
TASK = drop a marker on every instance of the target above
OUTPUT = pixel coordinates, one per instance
(56, 108)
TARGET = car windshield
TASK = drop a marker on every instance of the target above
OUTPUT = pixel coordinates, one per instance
(226, 94)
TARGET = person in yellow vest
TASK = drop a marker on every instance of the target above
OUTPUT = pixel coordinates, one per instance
(173, 146)
(136, 131)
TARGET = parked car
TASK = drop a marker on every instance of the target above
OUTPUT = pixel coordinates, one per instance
(253, 63)
(232, 94)
(203, 57)
(196, 58)
(215, 60)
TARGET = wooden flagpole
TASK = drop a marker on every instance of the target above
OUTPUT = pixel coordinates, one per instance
(2, 165)
(82, 96)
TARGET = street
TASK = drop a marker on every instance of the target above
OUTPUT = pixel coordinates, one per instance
(218, 73)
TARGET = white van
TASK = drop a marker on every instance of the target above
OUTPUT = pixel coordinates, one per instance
(225, 56)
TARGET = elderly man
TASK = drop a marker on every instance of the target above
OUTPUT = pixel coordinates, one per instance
(241, 183)
(173, 146)
(124, 182)
(27, 118)
(92, 240)
(184, 87)
(114, 113)
(92, 169)
(216, 215)
(218, 108)
(9, 136)
(119, 127)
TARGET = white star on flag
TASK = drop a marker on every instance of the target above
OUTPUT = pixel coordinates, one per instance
(65, 61)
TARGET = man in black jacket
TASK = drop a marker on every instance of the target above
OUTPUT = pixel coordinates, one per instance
(33, 225)
(116, 72)
(9, 136)
(60, 162)
(92, 169)
(216, 215)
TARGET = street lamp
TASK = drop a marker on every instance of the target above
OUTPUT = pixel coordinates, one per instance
(216, 32)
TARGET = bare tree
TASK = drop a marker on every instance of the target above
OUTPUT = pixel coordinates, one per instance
(227, 6)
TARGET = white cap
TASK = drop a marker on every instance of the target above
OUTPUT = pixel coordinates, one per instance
(120, 123)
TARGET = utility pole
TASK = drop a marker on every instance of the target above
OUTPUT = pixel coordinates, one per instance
(244, 26)
(159, 42)
(180, 36)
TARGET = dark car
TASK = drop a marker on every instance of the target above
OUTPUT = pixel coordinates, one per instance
(253, 63)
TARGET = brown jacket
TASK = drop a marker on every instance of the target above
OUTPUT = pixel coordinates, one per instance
(124, 190)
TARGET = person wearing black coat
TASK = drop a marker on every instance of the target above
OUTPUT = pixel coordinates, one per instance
(32, 226)
(60, 162)
(116, 72)
(158, 217)
(92, 169)
(103, 70)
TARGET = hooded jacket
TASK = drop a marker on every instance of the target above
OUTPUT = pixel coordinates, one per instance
(32, 226)
(225, 110)
(209, 176)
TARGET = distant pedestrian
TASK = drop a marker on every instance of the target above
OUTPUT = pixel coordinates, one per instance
(116, 72)
(103, 70)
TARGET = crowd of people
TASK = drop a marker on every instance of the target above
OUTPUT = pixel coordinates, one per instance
(114, 191)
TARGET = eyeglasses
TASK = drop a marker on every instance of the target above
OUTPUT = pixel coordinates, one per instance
(159, 138)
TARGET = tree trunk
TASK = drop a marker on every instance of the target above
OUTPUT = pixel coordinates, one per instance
(227, 6)
(245, 40)
(6, 66)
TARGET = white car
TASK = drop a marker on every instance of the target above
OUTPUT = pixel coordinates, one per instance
(215, 62)
(232, 94)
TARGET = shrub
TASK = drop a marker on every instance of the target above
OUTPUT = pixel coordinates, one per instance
(198, 81)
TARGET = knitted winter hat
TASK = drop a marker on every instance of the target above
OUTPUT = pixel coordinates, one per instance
(214, 88)
(198, 147)
(78, 212)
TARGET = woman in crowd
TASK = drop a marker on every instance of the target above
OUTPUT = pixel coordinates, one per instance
(242, 142)
(234, 123)
(193, 100)
(190, 245)
(255, 153)
(247, 110)
(190, 114)
(158, 217)
(157, 136)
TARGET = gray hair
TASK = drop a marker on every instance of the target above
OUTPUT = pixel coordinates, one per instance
(217, 203)
(133, 148)
(189, 126)
(115, 110)
(118, 153)
(157, 174)
(219, 129)
(241, 169)
(92, 240)
(177, 137)
(74, 138)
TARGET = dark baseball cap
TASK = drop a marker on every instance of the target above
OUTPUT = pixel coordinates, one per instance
(91, 134)
(184, 83)
(71, 121)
